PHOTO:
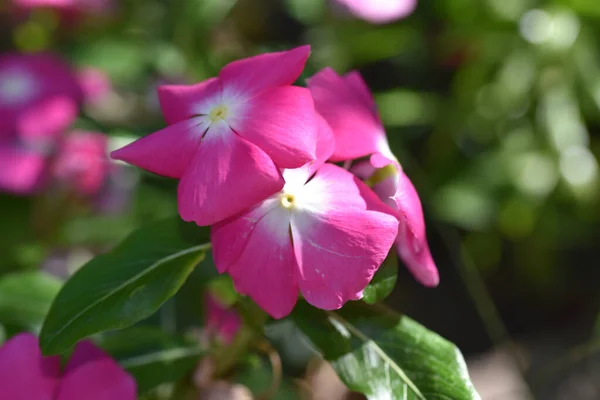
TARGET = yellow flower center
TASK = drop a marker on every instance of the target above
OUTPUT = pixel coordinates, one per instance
(218, 113)
(287, 200)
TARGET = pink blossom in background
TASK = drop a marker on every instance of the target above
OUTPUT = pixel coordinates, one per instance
(39, 95)
(95, 83)
(229, 136)
(221, 321)
(348, 106)
(87, 6)
(378, 11)
(90, 373)
(21, 170)
(323, 235)
(81, 162)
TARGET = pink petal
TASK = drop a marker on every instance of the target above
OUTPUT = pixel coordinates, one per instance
(180, 102)
(95, 83)
(333, 189)
(223, 321)
(167, 152)
(354, 79)
(24, 373)
(380, 160)
(85, 352)
(325, 147)
(227, 176)
(21, 170)
(269, 70)
(412, 240)
(92, 375)
(229, 237)
(265, 269)
(379, 11)
(282, 122)
(339, 252)
(357, 128)
(81, 161)
(46, 120)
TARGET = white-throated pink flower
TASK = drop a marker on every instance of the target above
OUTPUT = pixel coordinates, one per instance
(348, 106)
(229, 136)
(39, 95)
(323, 235)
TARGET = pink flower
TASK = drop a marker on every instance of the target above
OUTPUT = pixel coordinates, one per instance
(229, 136)
(379, 11)
(347, 104)
(22, 170)
(88, 6)
(90, 374)
(221, 321)
(39, 96)
(324, 234)
(82, 162)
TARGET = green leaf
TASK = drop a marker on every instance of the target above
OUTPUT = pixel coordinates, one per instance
(151, 356)
(126, 285)
(25, 297)
(383, 282)
(385, 355)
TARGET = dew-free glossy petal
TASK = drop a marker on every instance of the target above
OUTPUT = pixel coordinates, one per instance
(93, 375)
(167, 152)
(229, 237)
(24, 373)
(227, 176)
(325, 148)
(282, 121)
(357, 128)
(339, 252)
(412, 240)
(269, 70)
(266, 268)
(180, 102)
(379, 11)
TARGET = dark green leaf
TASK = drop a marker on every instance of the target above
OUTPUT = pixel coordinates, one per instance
(385, 355)
(152, 356)
(384, 280)
(25, 297)
(126, 285)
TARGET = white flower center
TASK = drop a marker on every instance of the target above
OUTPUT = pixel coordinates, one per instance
(218, 113)
(16, 87)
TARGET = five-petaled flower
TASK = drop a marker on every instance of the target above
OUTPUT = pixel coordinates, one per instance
(90, 373)
(347, 104)
(324, 234)
(229, 136)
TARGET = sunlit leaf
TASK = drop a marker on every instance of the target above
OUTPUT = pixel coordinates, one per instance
(386, 355)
